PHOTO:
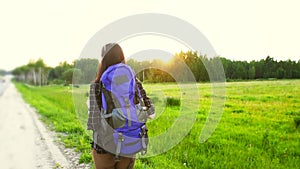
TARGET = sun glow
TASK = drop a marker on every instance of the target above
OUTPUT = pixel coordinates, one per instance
(151, 47)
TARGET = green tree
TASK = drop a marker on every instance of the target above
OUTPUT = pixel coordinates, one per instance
(252, 72)
(56, 74)
(35, 72)
(72, 75)
(2, 72)
(88, 68)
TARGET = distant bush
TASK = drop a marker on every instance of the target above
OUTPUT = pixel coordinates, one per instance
(295, 116)
(57, 81)
(76, 85)
(238, 111)
(170, 101)
(297, 121)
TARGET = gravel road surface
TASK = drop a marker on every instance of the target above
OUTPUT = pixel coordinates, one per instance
(25, 142)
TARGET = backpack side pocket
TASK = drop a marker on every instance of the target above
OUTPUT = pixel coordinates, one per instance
(118, 118)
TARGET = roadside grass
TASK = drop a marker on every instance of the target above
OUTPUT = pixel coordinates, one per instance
(56, 106)
(258, 128)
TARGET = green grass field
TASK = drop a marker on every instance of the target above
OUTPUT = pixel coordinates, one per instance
(259, 127)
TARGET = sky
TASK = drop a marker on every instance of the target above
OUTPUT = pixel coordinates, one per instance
(58, 30)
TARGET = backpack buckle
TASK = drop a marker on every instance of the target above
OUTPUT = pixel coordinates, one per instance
(119, 145)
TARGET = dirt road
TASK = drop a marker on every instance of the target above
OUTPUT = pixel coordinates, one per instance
(25, 143)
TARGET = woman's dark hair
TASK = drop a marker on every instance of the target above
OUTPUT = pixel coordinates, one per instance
(112, 54)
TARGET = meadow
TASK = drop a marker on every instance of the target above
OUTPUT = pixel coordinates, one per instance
(259, 126)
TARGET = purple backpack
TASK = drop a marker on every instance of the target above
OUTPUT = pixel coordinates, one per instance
(123, 129)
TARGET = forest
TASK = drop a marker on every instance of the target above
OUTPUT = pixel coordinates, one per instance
(83, 71)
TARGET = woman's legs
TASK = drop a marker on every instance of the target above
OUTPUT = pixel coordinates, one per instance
(103, 161)
(125, 163)
(107, 161)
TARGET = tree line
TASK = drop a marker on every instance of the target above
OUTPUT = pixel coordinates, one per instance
(262, 69)
(184, 66)
(199, 64)
(38, 73)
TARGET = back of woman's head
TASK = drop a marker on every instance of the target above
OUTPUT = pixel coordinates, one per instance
(112, 54)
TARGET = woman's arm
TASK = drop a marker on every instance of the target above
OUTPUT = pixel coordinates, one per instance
(147, 102)
(143, 93)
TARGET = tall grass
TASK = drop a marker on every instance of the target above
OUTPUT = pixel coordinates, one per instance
(257, 130)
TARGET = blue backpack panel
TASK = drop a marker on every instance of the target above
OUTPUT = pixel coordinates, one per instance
(124, 132)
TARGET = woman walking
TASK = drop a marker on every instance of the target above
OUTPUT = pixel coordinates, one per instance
(113, 110)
